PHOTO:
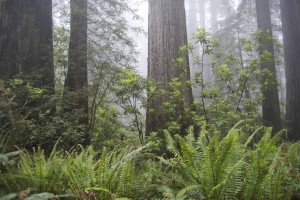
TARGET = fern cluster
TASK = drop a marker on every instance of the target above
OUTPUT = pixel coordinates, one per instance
(84, 173)
(292, 178)
(228, 168)
(203, 167)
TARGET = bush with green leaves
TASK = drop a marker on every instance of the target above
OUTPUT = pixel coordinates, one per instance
(228, 86)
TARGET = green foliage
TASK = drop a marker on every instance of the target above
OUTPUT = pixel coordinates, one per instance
(130, 90)
(292, 177)
(83, 172)
(228, 86)
(206, 167)
(173, 98)
(19, 116)
(7, 159)
(228, 168)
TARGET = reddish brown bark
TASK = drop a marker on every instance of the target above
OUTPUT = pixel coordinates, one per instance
(167, 33)
(270, 107)
(290, 14)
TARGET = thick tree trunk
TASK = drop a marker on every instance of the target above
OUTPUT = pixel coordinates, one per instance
(76, 95)
(26, 51)
(290, 14)
(167, 33)
(26, 46)
(270, 107)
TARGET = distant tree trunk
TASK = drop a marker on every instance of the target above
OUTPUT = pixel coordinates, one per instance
(192, 27)
(75, 95)
(192, 18)
(26, 45)
(202, 13)
(290, 14)
(214, 16)
(167, 33)
(270, 107)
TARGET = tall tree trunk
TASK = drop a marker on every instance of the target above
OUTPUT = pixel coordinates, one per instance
(26, 45)
(26, 50)
(270, 107)
(76, 96)
(167, 33)
(290, 14)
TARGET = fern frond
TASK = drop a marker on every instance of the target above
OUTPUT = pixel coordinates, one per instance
(188, 189)
(170, 143)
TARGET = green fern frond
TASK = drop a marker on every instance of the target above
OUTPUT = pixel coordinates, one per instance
(188, 189)
(170, 143)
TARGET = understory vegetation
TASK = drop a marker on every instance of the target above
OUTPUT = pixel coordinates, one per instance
(201, 126)
(237, 166)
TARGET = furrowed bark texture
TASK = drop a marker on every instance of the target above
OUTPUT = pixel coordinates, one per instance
(26, 46)
(75, 94)
(270, 107)
(167, 33)
(290, 14)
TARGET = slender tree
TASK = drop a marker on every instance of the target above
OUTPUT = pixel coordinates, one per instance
(193, 25)
(270, 107)
(75, 95)
(167, 33)
(290, 14)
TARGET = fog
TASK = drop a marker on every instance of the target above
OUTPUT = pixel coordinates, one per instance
(141, 39)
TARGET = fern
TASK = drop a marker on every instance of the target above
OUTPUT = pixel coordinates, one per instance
(227, 168)
(292, 161)
(78, 171)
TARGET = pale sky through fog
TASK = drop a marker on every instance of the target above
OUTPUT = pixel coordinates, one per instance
(141, 39)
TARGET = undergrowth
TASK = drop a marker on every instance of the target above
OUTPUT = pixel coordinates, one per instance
(205, 167)
(85, 173)
(229, 167)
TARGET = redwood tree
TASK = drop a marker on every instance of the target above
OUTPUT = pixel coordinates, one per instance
(290, 14)
(270, 107)
(167, 33)
(26, 45)
(75, 100)
(26, 61)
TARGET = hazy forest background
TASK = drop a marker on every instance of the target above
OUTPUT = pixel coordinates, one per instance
(157, 99)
